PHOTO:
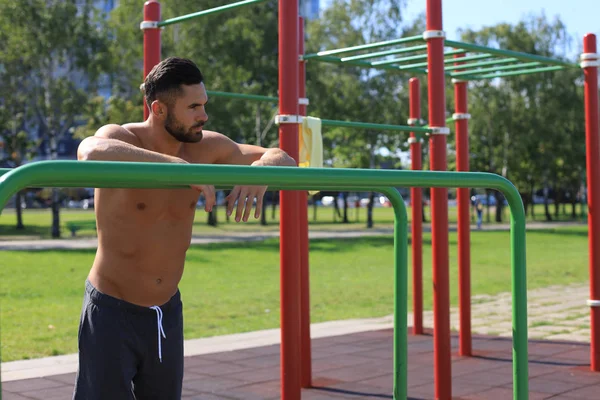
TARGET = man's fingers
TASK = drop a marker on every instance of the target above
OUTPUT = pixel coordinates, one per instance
(241, 203)
(259, 202)
(249, 203)
(230, 199)
(209, 197)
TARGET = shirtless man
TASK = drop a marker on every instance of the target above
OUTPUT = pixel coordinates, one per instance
(131, 328)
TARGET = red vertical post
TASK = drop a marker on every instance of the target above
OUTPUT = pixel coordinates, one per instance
(416, 200)
(461, 117)
(305, 345)
(592, 141)
(289, 203)
(151, 40)
(439, 201)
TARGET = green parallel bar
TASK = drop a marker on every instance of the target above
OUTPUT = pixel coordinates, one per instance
(410, 39)
(448, 122)
(210, 11)
(446, 61)
(480, 64)
(230, 95)
(160, 175)
(513, 73)
(364, 64)
(73, 176)
(368, 125)
(494, 69)
(384, 53)
(400, 361)
(508, 53)
(413, 58)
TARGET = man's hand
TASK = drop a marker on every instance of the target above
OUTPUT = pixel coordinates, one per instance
(209, 195)
(245, 196)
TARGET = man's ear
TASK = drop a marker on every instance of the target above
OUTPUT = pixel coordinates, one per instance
(158, 109)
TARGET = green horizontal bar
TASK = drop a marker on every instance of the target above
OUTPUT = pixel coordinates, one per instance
(446, 61)
(162, 175)
(413, 58)
(509, 53)
(385, 53)
(215, 10)
(368, 125)
(242, 96)
(367, 46)
(365, 64)
(448, 122)
(468, 58)
(494, 69)
(481, 64)
(514, 73)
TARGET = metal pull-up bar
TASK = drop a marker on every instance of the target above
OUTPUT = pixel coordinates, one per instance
(215, 10)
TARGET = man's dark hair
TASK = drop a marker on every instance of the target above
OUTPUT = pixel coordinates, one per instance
(165, 79)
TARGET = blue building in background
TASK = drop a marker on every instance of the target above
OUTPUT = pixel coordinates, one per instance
(309, 9)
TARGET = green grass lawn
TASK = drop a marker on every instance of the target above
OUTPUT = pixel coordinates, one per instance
(37, 222)
(234, 287)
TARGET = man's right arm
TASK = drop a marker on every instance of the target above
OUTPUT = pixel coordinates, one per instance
(115, 143)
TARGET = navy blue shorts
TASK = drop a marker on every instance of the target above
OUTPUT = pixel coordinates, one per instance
(120, 354)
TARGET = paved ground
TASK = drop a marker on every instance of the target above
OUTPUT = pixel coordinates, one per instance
(359, 366)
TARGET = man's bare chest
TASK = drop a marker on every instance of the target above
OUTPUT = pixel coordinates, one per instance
(153, 205)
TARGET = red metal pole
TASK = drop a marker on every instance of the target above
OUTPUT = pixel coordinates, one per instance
(305, 345)
(152, 46)
(416, 199)
(464, 229)
(289, 203)
(439, 202)
(592, 142)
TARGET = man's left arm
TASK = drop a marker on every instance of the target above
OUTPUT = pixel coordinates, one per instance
(232, 153)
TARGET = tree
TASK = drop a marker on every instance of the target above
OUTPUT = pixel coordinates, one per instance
(17, 145)
(521, 124)
(356, 93)
(60, 48)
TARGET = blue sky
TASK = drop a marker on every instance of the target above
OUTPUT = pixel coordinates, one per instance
(579, 16)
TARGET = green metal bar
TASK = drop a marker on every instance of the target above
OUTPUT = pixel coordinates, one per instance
(255, 97)
(448, 122)
(508, 53)
(424, 57)
(385, 53)
(368, 125)
(210, 11)
(364, 64)
(413, 58)
(513, 73)
(480, 64)
(494, 69)
(467, 58)
(400, 379)
(160, 175)
(410, 39)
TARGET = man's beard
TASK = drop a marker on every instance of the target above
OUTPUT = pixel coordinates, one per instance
(179, 132)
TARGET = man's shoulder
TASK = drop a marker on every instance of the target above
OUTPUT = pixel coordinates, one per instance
(213, 147)
(129, 133)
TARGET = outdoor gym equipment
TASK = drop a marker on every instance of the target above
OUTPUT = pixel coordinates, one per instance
(163, 176)
(431, 54)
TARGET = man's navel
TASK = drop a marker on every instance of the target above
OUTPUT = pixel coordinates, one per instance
(141, 206)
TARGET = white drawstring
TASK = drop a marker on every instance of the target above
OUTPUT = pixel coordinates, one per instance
(159, 316)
